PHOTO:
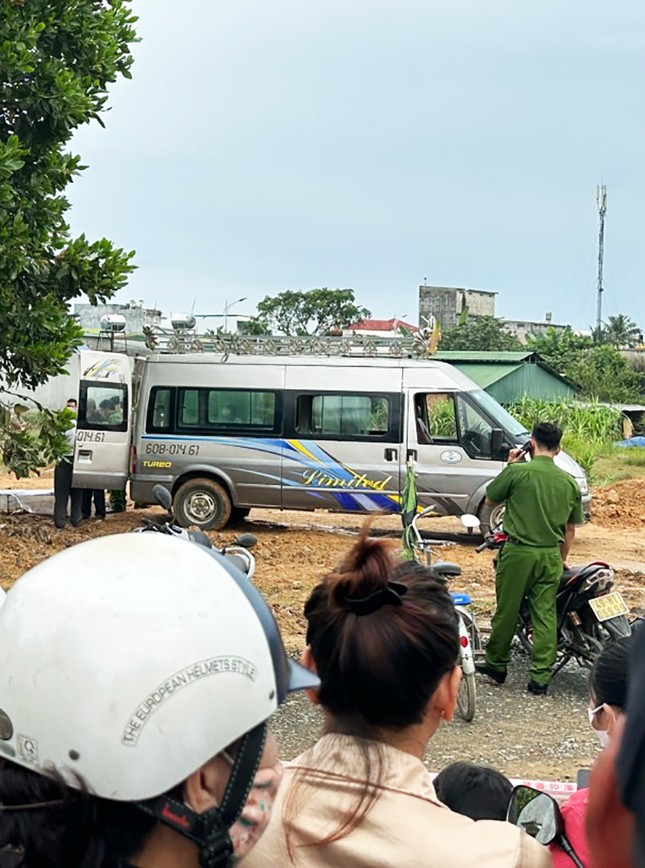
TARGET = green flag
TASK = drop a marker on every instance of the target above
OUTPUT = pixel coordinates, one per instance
(409, 505)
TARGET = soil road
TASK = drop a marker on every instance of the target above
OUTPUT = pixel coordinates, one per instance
(524, 736)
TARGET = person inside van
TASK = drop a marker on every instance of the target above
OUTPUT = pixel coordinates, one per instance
(423, 434)
(133, 711)
(92, 413)
(383, 637)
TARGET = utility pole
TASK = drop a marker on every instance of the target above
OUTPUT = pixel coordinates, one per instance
(601, 199)
(227, 306)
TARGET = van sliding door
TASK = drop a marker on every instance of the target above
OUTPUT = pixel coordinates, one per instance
(343, 450)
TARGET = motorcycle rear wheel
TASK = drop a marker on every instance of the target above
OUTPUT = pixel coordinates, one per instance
(524, 633)
(585, 647)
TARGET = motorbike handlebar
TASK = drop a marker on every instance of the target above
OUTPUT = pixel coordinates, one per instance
(482, 546)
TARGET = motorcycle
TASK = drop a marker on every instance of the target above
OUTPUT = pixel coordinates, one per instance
(589, 613)
(236, 552)
(469, 638)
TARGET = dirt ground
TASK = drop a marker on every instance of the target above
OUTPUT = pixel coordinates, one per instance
(522, 735)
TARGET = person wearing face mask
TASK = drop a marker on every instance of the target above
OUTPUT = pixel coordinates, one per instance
(608, 690)
(133, 708)
(616, 811)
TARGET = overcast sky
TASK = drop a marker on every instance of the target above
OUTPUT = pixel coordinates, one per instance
(265, 145)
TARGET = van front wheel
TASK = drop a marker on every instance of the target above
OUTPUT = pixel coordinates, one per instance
(490, 517)
(203, 503)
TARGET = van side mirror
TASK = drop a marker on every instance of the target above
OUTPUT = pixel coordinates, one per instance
(496, 441)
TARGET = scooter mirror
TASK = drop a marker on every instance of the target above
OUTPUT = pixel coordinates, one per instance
(470, 521)
(162, 496)
(535, 812)
(539, 815)
(246, 540)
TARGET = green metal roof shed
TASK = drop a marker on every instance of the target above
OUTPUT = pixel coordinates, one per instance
(508, 376)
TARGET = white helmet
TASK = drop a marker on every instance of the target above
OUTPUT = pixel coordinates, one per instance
(129, 661)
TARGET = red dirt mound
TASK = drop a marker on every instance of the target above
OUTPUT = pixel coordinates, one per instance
(620, 505)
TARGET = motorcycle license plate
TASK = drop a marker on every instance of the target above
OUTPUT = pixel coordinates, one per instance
(609, 606)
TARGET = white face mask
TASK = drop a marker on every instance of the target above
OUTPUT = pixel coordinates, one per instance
(603, 735)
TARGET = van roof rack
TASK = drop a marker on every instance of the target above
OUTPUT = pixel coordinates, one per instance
(421, 344)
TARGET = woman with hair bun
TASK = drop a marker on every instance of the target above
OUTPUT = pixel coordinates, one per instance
(383, 637)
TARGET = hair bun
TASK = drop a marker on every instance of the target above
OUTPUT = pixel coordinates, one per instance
(365, 570)
(390, 595)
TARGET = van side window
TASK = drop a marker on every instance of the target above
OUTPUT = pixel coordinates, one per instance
(440, 417)
(188, 408)
(476, 432)
(103, 407)
(160, 410)
(248, 409)
(344, 416)
(177, 410)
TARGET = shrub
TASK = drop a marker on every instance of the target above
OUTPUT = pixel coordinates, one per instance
(591, 422)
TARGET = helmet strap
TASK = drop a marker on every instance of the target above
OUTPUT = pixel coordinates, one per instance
(210, 830)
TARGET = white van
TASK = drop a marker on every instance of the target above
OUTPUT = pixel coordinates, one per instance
(306, 432)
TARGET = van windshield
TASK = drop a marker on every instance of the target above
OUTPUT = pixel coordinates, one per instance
(499, 415)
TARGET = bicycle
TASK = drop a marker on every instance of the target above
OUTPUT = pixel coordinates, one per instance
(469, 638)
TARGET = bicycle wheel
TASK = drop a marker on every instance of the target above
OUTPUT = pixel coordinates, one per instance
(467, 697)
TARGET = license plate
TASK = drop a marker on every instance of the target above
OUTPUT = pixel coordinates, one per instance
(609, 606)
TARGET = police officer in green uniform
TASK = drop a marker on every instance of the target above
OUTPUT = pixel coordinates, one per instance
(543, 506)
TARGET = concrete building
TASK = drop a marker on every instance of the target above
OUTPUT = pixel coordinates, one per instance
(447, 303)
(523, 328)
(89, 316)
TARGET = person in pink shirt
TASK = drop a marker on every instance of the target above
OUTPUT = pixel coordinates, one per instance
(608, 688)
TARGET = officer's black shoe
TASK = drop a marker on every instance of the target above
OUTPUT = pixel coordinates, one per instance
(537, 689)
(493, 674)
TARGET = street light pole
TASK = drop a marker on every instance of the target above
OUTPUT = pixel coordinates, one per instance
(227, 307)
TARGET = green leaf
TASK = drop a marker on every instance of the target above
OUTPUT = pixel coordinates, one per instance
(57, 61)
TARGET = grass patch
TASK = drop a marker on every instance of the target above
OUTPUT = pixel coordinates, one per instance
(615, 464)
(589, 432)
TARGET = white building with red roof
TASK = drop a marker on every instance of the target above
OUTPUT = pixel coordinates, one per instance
(382, 328)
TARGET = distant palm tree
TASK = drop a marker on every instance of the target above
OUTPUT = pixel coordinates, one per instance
(598, 334)
(621, 331)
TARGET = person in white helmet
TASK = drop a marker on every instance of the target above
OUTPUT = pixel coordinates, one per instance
(133, 708)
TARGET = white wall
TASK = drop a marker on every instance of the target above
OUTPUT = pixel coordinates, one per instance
(53, 393)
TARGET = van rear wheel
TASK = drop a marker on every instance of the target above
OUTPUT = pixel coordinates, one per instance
(202, 502)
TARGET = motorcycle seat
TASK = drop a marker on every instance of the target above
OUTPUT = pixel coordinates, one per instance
(567, 576)
(444, 569)
(580, 572)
